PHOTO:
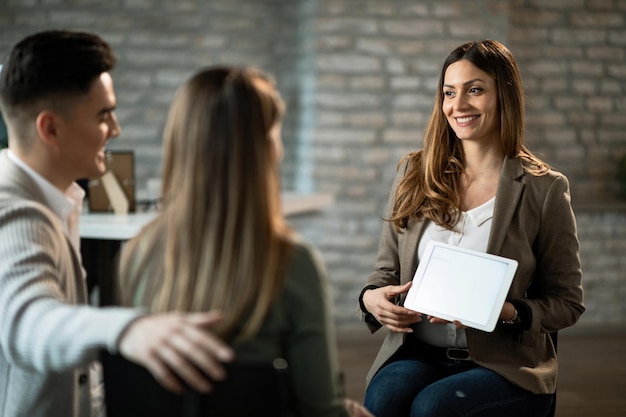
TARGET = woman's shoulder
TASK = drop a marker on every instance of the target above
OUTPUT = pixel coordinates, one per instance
(541, 174)
(543, 182)
(410, 160)
(407, 164)
(304, 255)
(306, 268)
(306, 289)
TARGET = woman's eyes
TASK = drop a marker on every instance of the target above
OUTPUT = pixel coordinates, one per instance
(471, 90)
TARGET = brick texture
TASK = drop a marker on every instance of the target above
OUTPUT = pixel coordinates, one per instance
(359, 78)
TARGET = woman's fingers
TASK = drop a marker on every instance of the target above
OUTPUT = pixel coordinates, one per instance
(394, 317)
(399, 289)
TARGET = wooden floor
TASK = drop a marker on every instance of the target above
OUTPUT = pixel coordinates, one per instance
(592, 369)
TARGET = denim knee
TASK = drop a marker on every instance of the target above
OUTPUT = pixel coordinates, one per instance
(395, 385)
(478, 392)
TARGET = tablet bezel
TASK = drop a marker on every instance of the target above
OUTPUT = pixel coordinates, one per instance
(421, 277)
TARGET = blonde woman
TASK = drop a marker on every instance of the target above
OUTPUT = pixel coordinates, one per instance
(221, 242)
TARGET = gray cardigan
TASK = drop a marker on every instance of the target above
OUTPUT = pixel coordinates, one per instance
(533, 222)
(48, 335)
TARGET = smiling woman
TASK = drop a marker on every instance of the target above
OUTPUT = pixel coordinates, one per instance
(474, 185)
(471, 103)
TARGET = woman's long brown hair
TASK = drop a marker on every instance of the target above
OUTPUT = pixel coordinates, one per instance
(431, 188)
(221, 241)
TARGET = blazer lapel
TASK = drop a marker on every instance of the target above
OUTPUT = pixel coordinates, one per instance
(408, 244)
(20, 185)
(507, 196)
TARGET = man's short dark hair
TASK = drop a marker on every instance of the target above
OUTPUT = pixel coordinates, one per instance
(53, 63)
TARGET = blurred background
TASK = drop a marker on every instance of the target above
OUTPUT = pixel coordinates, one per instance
(359, 78)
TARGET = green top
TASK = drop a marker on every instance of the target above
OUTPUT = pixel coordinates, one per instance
(299, 328)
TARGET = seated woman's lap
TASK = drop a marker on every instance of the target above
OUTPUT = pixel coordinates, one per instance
(394, 387)
(478, 392)
(423, 388)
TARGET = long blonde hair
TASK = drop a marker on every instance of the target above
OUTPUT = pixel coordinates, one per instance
(221, 241)
(431, 187)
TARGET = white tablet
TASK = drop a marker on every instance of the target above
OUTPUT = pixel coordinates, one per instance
(454, 283)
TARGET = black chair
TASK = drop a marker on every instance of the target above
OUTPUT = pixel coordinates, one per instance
(250, 390)
(555, 338)
(533, 291)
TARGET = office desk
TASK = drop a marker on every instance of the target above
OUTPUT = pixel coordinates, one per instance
(108, 226)
(102, 235)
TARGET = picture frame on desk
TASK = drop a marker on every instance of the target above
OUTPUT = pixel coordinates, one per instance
(122, 165)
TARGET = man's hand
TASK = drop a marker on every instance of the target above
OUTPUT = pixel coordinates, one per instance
(176, 344)
(396, 318)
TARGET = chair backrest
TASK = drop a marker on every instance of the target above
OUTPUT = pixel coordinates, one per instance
(533, 291)
(555, 339)
(250, 390)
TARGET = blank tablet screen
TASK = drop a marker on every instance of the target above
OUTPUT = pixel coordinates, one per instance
(454, 283)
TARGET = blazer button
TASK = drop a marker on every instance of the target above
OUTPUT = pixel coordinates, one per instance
(82, 379)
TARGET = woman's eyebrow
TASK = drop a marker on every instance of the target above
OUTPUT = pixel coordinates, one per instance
(466, 82)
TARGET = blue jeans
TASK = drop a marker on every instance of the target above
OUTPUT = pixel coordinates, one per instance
(418, 387)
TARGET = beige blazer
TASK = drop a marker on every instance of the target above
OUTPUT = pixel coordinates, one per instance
(534, 223)
(48, 333)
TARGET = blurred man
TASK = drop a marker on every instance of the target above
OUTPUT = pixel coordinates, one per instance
(58, 101)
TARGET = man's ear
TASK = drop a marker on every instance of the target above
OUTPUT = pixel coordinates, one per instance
(47, 125)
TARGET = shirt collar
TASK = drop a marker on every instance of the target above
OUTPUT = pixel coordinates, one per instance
(482, 213)
(61, 203)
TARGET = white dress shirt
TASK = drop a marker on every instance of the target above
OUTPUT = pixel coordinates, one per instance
(471, 232)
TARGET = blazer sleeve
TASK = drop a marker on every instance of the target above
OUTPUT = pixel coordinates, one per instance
(387, 266)
(556, 294)
(40, 284)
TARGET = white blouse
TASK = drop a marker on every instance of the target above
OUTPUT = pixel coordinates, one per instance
(471, 232)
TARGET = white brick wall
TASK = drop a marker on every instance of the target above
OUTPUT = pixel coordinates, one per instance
(359, 77)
